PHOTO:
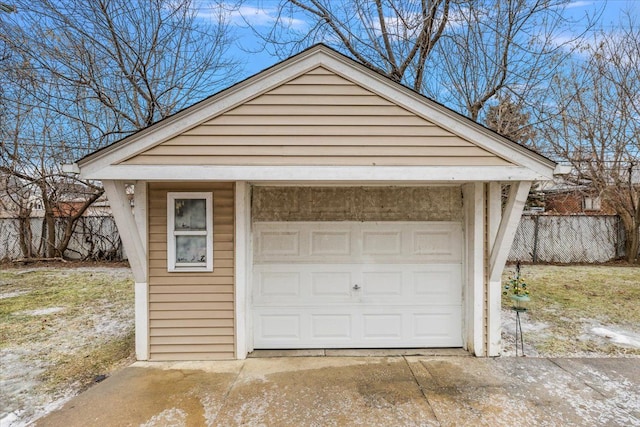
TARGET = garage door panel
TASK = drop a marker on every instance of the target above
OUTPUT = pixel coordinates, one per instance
(278, 327)
(302, 284)
(279, 243)
(275, 284)
(381, 325)
(331, 326)
(357, 284)
(349, 327)
(438, 284)
(330, 284)
(382, 284)
(436, 325)
(346, 242)
(325, 243)
(381, 242)
(441, 244)
(392, 284)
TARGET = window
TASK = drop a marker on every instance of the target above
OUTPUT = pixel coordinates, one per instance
(190, 231)
(591, 203)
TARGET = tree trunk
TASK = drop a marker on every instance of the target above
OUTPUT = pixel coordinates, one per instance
(632, 244)
(632, 240)
(71, 222)
(50, 247)
(25, 234)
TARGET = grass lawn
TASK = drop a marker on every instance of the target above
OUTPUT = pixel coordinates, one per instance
(573, 307)
(61, 329)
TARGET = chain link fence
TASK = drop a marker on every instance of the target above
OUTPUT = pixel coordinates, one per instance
(568, 239)
(95, 238)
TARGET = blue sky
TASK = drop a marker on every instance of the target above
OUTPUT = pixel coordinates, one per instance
(261, 13)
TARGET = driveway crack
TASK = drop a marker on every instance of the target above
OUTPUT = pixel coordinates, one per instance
(226, 394)
(573, 375)
(422, 390)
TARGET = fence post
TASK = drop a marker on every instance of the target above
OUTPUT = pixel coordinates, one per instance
(534, 256)
(620, 238)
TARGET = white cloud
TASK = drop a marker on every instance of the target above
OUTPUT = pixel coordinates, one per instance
(250, 15)
(579, 3)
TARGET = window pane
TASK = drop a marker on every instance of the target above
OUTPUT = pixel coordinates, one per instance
(191, 249)
(190, 214)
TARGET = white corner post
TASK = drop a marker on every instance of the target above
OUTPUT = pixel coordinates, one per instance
(133, 232)
(141, 288)
(242, 273)
(473, 289)
(494, 288)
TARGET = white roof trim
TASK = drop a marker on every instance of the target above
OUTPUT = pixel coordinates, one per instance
(95, 165)
(314, 173)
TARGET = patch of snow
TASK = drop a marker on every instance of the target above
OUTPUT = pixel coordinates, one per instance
(41, 312)
(12, 294)
(27, 271)
(169, 417)
(509, 333)
(22, 397)
(598, 336)
(8, 419)
(111, 327)
(617, 406)
(620, 337)
(211, 405)
(22, 405)
(44, 409)
(509, 322)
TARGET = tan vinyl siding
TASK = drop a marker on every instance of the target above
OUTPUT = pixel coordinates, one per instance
(191, 315)
(318, 118)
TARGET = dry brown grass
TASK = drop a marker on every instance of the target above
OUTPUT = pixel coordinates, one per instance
(571, 299)
(90, 366)
(76, 292)
(61, 328)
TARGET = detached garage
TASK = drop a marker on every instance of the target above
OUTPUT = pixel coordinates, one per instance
(316, 204)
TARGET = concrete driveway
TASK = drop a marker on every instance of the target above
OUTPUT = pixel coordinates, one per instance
(366, 391)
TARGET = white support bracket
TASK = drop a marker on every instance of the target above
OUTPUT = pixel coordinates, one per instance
(128, 228)
(518, 193)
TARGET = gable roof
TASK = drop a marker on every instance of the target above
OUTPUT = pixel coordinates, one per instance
(315, 114)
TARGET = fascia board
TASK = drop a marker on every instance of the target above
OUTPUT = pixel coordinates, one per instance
(314, 173)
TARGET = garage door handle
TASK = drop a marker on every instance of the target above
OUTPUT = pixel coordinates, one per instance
(356, 287)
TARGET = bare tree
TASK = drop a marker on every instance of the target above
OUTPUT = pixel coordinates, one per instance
(32, 147)
(82, 74)
(594, 123)
(462, 53)
(134, 62)
(392, 37)
(512, 120)
(499, 48)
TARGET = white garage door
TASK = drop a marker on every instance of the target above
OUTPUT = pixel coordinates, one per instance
(357, 284)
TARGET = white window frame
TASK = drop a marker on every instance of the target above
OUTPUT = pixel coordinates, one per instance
(172, 265)
(591, 203)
